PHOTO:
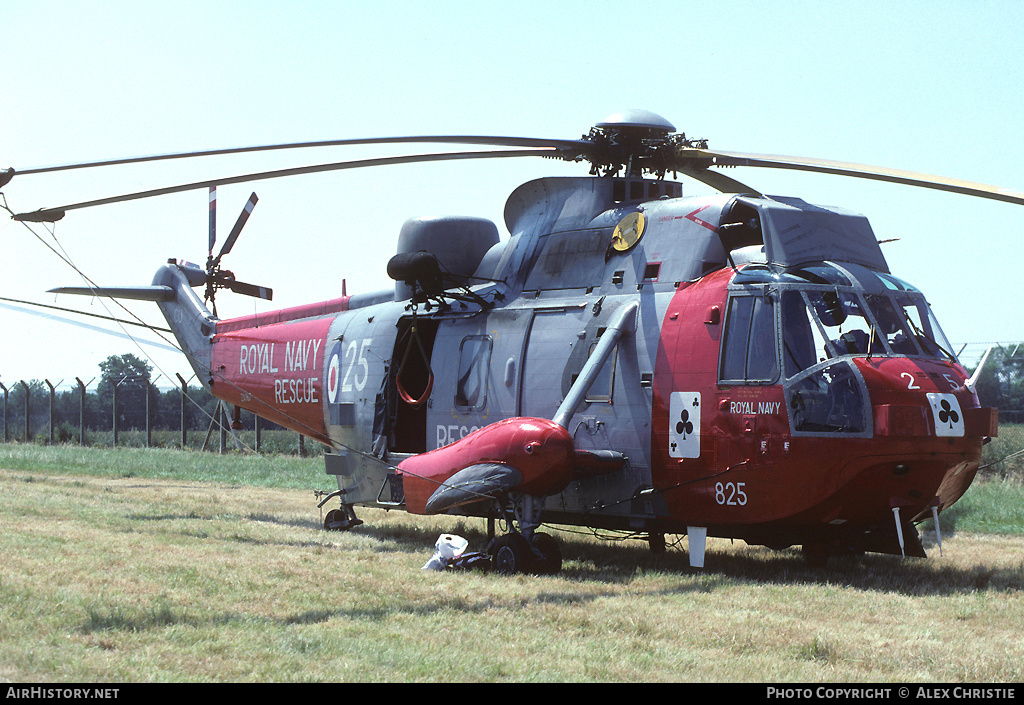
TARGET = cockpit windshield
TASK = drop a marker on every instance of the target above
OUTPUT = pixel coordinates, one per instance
(827, 314)
(822, 323)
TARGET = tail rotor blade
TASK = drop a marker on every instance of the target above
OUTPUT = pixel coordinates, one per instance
(239, 224)
(213, 218)
(260, 292)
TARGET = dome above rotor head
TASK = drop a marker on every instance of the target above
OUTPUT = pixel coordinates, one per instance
(643, 119)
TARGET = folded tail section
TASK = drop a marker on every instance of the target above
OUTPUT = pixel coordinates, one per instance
(188, 318)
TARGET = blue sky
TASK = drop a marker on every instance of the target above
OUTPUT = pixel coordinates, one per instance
(924, 86)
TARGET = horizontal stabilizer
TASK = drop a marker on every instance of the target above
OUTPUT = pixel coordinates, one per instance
(138, 293)
(472, 484)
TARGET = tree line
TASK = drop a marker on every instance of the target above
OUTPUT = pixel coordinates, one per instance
(1001, 383)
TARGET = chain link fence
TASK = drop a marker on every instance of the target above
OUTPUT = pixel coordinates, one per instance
(1000, 384)
(1004, 456)
(135, 413)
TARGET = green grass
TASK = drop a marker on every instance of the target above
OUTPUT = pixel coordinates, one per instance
(281, 471)
(993, 504)
(148, 566)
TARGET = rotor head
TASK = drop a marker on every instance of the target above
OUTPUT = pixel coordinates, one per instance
(637, 142)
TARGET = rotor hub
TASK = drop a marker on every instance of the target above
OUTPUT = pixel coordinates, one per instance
(637, 142)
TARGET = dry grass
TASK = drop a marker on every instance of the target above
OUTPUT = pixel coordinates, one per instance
(131, 580)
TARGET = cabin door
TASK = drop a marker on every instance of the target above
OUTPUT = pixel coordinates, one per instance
(477, 363)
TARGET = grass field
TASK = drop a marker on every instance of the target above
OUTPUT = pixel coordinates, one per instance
(141, 566)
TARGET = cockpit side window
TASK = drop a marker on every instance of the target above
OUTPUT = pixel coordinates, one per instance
(802, 343)
(749, 351)
(830, 398)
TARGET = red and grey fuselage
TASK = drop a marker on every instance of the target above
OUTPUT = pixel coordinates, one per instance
(807, 399)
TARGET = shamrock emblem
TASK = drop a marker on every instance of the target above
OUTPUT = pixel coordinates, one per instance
(947, 414)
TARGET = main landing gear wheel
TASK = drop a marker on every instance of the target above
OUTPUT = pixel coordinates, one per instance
(816, 554)
(550, 561)
(511, 554)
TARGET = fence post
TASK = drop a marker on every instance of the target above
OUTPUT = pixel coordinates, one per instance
(5, 410)
(114, 413)
(149, 413)
(81, 411)
(184, 399)
(52, 388)
(23, 384)
(222, 419)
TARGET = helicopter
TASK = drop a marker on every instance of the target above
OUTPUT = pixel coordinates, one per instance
(629, 358)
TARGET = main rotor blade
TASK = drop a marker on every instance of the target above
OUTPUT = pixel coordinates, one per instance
(863, 171)
(495, 141)
(213, 218)
(84, 313)
(138, 293)
(719, 181)
(51, 214)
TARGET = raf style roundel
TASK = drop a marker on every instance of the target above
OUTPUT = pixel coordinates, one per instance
(334, 375)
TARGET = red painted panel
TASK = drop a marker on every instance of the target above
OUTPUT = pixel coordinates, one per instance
(276, 372)
(746, 469)
(541, 450)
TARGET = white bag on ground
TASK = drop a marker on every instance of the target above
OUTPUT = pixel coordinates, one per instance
(448, 548)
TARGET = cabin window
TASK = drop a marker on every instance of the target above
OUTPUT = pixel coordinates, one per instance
(749, 351)
(474, 361)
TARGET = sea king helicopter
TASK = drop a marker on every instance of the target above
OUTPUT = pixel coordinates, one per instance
(629, 358)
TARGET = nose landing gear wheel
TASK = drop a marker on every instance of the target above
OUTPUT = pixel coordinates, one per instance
(512, 554)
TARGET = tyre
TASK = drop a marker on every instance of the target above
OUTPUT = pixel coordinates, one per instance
(551, 555)
(511, 554)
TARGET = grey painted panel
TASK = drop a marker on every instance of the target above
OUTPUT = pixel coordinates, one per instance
(359, 347)
(560, 341)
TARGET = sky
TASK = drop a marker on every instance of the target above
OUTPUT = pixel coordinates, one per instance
(931, 87)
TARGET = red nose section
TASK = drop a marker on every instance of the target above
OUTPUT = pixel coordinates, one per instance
(538, 453)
